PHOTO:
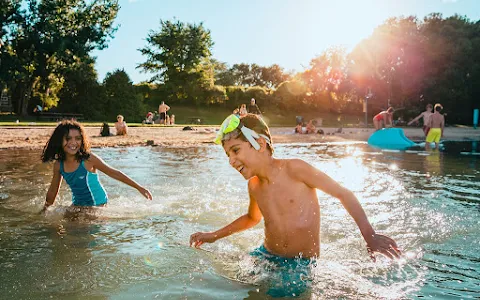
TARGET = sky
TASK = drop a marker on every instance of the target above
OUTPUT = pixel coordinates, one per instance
(289, 33)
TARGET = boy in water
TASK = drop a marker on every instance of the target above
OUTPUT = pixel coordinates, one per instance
(436, 123)
(425, 115)
(283, 191)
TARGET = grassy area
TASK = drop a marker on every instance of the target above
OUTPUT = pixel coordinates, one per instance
(215, 116)
(88, 124)
(209, 116)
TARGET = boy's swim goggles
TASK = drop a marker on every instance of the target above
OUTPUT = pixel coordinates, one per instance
(233, 122)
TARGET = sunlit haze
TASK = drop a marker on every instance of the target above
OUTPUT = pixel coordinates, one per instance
(288, 33)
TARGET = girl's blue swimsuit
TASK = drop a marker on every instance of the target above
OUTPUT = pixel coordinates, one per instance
(86, 188)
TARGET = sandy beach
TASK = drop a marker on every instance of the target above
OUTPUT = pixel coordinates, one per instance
(36, 137)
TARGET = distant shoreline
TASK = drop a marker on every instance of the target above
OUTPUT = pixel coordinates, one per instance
(30, 137)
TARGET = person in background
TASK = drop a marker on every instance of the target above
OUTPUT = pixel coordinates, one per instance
(243, 110)
(311, 127)
(162, 110)
(121, 126)
(149, 118)
(436, 123)
(172, 120)
(299, 128)
(425, 115)
(383, 119)
(253, 108)
(105, 129)
(167, 120)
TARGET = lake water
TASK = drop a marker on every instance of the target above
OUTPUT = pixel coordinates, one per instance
(136, 249)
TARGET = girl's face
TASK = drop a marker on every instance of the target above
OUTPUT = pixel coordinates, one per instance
(72, 142)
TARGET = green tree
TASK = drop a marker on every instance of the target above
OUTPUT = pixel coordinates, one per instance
(249, 75)
(290, 95)
(273, 76)
(46, 37)
(121, 97)
(223, 75)
(178, 56)
(81, 92)
(325, 75)
(453, 58)
(242, 74)
(407, 63)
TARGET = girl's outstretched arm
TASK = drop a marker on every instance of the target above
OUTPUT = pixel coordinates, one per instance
(54, 186)
(99, 164)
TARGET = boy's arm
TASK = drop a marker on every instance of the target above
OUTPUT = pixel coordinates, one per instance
(246, 221)
(54, 186)
(416, 119)
(316, 179)
(99, 164)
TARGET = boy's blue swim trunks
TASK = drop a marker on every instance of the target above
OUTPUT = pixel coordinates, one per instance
(287, 276)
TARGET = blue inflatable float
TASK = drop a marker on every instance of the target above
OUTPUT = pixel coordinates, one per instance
(390, 138)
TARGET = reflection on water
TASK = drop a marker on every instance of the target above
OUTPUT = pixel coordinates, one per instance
(428, 201)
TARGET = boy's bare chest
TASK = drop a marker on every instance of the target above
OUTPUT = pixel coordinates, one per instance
(278, 195)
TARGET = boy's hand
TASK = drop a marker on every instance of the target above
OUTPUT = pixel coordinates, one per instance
(197, 239)
(146, 193)
(45, 206)
(384, 245)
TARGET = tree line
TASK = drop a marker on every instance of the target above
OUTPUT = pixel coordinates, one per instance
(407, 62)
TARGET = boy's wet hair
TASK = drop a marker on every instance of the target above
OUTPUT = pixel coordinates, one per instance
(255, 123)
(438, 107)
(53, 150)
(390, 109)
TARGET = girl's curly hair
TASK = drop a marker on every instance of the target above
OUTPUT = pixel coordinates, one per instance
(53, 150)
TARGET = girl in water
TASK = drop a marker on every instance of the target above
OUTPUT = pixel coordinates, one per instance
(69, 148)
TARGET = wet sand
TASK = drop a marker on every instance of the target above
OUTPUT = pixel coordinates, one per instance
(36, 137)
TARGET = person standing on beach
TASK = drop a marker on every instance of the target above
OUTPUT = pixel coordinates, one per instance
(162, 110)
(436, 123)
(253, 108)
(425, 115)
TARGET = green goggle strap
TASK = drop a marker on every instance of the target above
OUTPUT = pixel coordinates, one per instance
(233, 122)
